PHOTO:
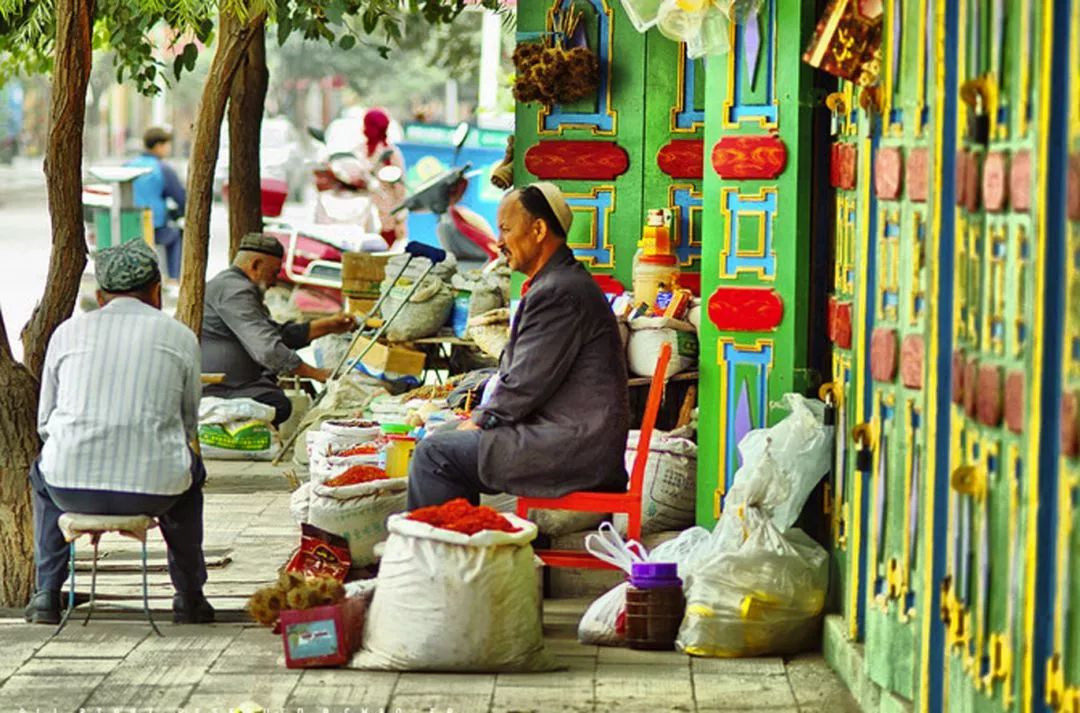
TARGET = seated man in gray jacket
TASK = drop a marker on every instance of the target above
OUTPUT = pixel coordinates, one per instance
(558, 419)
(240, 340)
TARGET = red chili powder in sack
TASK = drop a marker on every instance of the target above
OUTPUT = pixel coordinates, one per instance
(459, 515)
(356, 475)
(364, 449)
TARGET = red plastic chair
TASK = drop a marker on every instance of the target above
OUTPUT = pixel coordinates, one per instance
(628, 502)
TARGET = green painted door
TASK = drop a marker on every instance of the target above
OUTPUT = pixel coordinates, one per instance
(608, 213)
(844, 500)
(902, 388)
(756, 236)
(1063, 668)
(674, 132)
(988, 592)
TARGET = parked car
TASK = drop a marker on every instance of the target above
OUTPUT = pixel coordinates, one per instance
(283, 153)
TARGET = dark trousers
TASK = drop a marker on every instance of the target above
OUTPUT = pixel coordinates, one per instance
(170, 238)
(275, 397)
(446, 465)
(180, 518)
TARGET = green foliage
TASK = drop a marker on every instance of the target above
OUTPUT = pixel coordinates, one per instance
(130, 29)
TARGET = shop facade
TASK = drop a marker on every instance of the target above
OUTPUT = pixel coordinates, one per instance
(911, 254)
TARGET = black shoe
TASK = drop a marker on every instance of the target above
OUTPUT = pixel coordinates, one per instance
(192, 608)
(44, 608)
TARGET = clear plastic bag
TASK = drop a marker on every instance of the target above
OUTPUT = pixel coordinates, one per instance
(602, 623)
(782, 465)
(763, 597)
(642, 13)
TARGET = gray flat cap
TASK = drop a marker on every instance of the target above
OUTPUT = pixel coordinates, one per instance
(262, 243)
(127, 267)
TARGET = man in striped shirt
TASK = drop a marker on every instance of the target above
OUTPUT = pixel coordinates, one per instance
(119, 407)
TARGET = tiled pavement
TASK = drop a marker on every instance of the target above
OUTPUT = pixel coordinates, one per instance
(118, 664)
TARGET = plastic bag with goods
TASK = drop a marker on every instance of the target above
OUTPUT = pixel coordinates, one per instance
(764, 597)
(446, 601)
(648, 335)
(423, 314)
(237, 429)
(669, 488)
(603, 622)
(801, 448)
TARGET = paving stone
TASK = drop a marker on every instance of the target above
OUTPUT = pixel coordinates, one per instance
(629, 684)
(229, 690)
(574, 678)
(40, 693)
(741, 692)
(440, 703)
(541, 698)
(445, 683)
(619, 655)
(138, 697)
(814, 683)
(68, 667)
(331, 690)
(98, 641)
(747, 666)
(161, 674)
(562, 647)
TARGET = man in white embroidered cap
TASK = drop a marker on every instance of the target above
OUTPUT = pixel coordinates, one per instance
(557, 417)
(119, 407)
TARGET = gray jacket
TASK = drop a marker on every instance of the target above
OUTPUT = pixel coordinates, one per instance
(558, 420)
(240, 340)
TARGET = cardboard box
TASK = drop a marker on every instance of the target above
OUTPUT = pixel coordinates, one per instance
(359, 306)
(323, 636)
(393, 358)
(362, 289)
(363, 266)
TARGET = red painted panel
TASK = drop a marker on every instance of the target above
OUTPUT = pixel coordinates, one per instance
(883, 354)
(911, 361)
(1072, 199)
(839, 323)
(972, 183)
(1020, 181)
(888, 165)
(988, 399)
(958, 370)
(577, 160)
(1014, 401)
(917, 175)
(749, 157)
(842, 166)
(745, 309)
(1070, 427)
(682, 158)
(995, 181)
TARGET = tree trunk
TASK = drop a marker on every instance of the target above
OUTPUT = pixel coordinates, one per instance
(63, 177)
(246, 105)
(233, 40)
(19, 443)
(18, 448)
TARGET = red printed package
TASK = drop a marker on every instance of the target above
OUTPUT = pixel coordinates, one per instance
(321, 554)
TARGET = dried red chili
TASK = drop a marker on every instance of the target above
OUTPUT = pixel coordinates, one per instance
(459, 515)
(356, 475)
(364, 449)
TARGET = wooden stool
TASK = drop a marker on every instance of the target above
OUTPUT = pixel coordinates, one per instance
(75, 525)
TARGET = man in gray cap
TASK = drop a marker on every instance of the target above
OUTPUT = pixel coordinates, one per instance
(240, 340)
(119, 407)
(557, 420)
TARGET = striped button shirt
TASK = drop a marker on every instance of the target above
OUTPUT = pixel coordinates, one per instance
(120, 401)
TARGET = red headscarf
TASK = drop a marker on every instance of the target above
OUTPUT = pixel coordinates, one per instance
(376, 122)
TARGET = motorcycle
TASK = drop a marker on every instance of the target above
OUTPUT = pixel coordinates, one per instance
(460, 231)
(345, 221)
